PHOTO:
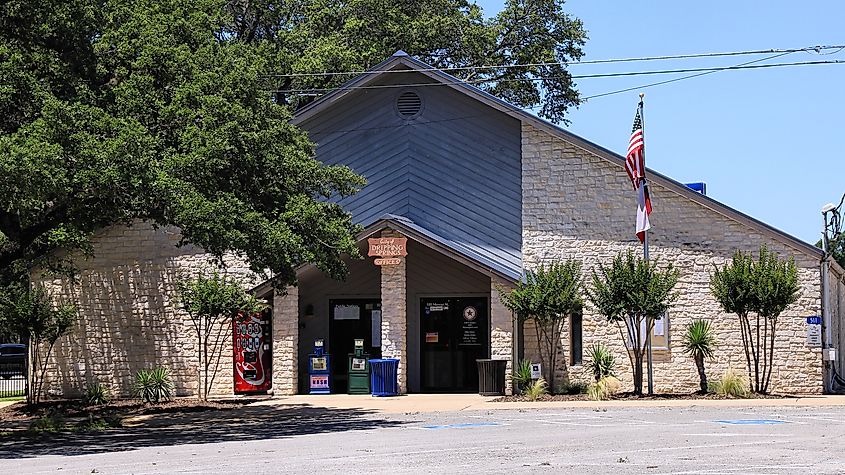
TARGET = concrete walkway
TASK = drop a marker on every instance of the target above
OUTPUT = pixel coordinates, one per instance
(419, 403)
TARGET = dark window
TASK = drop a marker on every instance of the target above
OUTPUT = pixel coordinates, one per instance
(576, 344)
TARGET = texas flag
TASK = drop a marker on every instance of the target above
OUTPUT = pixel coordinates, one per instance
(635, 167)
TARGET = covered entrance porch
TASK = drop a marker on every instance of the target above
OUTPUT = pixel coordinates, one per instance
(434, 309)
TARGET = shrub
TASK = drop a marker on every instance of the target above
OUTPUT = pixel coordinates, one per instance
(537, 389)
(732, 384)
(153, 385)
(572, 387)
(50, 422)
(97, 424)
(602, 361)
(97, 394)
(522, 376)
(604, 388)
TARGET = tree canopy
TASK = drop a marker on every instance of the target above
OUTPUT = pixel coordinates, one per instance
(530, 38)
(122, 110)
(116, 110)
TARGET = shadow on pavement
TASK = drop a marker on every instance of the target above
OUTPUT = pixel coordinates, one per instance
(237, 425)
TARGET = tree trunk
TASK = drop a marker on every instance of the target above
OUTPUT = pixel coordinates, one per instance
(638, 373)
(702, 376)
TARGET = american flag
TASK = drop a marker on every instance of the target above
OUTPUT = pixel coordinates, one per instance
(635, 160)
(635, 166)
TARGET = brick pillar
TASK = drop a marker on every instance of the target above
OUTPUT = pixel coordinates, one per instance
(501, 329)
(285, 341)
(394, 319)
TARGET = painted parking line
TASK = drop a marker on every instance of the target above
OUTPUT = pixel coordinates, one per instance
(464, 425)
(751, 422)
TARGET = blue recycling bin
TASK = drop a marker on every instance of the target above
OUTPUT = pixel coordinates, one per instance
(383, 377)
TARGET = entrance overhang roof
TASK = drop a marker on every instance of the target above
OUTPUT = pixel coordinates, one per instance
(450, 248)
(445, 246)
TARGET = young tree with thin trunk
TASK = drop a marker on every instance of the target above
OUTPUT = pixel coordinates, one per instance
(546, 297)
(633, 293)
(28, 312)
(757, 291)
(212, 304)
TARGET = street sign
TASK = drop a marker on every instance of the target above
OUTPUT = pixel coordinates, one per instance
(814, 320)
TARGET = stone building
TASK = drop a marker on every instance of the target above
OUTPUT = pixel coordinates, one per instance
(474, 191)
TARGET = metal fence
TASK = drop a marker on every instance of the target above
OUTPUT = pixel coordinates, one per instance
(13, 382)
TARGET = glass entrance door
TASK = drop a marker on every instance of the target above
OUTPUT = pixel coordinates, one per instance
(454, 334)
(350, 319)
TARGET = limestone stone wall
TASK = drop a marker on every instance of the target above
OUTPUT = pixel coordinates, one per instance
(394, 315)
(578, 205)
(285, 341)
(129, 316)
(501, 329)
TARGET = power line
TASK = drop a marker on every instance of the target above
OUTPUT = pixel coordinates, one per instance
(643, 86)
(816, 49)
(584, 76)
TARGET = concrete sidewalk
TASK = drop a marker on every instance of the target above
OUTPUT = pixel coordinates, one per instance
(416, 403)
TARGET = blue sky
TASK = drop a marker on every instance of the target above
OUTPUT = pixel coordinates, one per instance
(768, 142)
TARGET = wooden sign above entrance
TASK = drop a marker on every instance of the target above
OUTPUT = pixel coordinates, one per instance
(388, 247)
(389, 261)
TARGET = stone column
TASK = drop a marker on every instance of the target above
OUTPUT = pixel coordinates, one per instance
(394, 315)
(501, 329)
(285, 341)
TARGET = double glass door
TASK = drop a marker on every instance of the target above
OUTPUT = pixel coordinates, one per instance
(455, 332)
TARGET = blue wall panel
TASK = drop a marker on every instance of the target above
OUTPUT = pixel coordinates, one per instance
(454, 169)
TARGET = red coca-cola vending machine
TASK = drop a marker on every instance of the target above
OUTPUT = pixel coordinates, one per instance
(253, 358)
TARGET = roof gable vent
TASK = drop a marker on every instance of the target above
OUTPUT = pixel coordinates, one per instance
(409, 104)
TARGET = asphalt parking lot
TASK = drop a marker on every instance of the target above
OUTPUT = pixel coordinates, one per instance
(695, 440)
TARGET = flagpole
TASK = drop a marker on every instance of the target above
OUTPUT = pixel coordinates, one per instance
(645, 257)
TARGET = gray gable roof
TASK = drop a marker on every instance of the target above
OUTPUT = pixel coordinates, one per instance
(401, 60)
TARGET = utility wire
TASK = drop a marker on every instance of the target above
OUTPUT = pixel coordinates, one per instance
(816, 49)
(643, 86)
(583, 76)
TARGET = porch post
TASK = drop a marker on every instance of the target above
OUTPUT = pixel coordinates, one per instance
(501, 329)
(394, 323)
(285, 341)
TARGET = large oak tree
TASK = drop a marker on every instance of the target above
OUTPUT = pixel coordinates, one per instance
(118, 110)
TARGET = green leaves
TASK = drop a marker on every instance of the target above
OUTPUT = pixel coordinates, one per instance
(125, 110)
(699, 340)
(316, 36)
(632, 286)
(215, 296)
(29, 313)
(547, 294)
(766, 285)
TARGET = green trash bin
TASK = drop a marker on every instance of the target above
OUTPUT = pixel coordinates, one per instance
(491, 377)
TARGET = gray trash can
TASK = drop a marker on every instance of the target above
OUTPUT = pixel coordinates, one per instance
(491, 377)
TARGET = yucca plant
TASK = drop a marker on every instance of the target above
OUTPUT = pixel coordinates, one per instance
(97, 394)
(537, 389)
(153, 385)
(732, 384)
(604, 388)
(522, 376)
(699, 342)
(602, 361)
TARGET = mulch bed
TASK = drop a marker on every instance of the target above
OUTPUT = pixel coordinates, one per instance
(19, 415)
(634, 397)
